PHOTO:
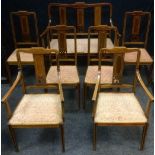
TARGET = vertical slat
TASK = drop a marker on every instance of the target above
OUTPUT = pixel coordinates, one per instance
(62, 42)
(25, 27)
(97, 15)
(102, 37)
(62, 15)
(39, 68)
(80, 19)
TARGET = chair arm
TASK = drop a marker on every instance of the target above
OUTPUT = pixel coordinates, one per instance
(143, 86)
(60, 88)
(9, 92)
(111, 22)
(96, 87)
(44, 32)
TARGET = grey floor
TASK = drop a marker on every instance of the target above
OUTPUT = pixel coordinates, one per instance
(78, 130)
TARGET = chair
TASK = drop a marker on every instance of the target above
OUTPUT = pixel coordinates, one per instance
(68, 61)
(36, 110)
(23, 23)
(135, 33)
(120, 108)
(94, 45)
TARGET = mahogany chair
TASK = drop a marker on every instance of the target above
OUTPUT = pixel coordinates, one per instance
(94, 45)
(25, 34)
(67, 56)
(120, 108)
(36, 110)
(135, 34)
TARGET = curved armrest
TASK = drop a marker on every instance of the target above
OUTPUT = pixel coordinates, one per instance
(143, 86)
(9, 92)
(44, 32)
(96, 87)
(60, 88)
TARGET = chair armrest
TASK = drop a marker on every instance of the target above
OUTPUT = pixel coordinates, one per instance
(143, 86)
(111, 22)
(44, 32)
(60, 88)
(9, 92)
(96, 87)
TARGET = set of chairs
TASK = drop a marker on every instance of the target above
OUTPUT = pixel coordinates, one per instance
(61, 45)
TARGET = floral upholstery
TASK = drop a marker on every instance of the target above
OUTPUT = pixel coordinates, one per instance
(25, 57)
(82, 45)
(68, 75)
(38, 109)
(92, 72)
(118, 108)
(144, 58)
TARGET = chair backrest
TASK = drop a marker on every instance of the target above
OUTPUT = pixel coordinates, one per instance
(136, 28)
(77, 12)
(60, 34)
(24, 28)
(103, 32)
(39, 63)
(118, 63)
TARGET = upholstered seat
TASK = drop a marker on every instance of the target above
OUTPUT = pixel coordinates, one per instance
(38, 109)
(144, 58)
(25, 57)
(92, 72)
(82, 45)
(118, 108)
(68, 75)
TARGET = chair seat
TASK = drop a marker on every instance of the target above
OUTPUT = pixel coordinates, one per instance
(118, 108)
(68, 75)
(38, 109)
(92, 72)
(82, 45)
(144, 58)
(25, 57)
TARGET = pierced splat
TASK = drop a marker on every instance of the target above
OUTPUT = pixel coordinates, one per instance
(25, 27)
(102, 37)
(136, 28)
(97, 15)
(62, 15)
(62, 42)
(39, 65)
(118, 67)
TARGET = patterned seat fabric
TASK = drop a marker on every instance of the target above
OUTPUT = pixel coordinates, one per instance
(25, 57)
(68, 75)
(82, 45)
(119, 108)
(144, 58)
(38, 109)
(92, 72)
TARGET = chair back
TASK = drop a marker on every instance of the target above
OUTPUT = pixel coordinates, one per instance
(24, 28)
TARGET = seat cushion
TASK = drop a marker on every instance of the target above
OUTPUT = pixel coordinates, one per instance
(144, 58)
(118, 108)
(92, 72)
(38, 109)
(68, 75)
(25, 57)
(82, 45)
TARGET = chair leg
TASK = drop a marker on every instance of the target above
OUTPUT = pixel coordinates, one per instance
(79, 95)
(13, 137)
(62, 138)
(94, 137)
(8, 72)
(143, 136)
(84, 95)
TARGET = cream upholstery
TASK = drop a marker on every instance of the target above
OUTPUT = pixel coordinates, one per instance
(82, 45)
(38, 109)
(92, 72)
(25, 57)
(144, 58)
(68, 75)
(118, 108)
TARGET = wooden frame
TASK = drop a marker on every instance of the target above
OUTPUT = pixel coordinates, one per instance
(80, 8)
(38, 54)
(24, 17)
(103, 31)
(61, 32)
(98, 87)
